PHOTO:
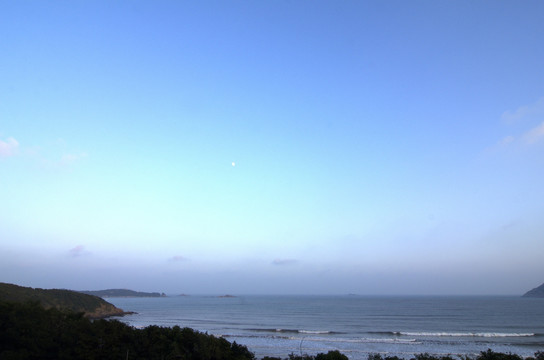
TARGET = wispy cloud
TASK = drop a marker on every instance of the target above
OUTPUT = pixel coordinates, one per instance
(284, 262)
(530, 137)
(78, 251)
(9, 147)
(69, 159)
(524, 112)
(178, 258)
(525, 117)
(507, 140)
(535, 134)
(52, 156)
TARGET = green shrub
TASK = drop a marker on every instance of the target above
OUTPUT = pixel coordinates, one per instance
(331, 355)
(492, 355)
(374, 356)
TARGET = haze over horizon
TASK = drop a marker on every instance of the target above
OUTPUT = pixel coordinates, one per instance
(282, 147)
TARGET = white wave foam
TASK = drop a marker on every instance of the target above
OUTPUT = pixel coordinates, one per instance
(464, 334)
(362, 340)
(313, 332)
(390, 341)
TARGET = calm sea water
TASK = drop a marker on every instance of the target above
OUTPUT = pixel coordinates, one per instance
(355, 325)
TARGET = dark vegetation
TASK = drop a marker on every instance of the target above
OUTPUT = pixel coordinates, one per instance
(484, 355)
(91, 306)
(122, 293)
(28, 331)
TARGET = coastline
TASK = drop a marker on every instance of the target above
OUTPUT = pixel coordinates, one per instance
(355, 325)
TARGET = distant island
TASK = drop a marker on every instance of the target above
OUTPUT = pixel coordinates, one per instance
(122, 293)
(537, 292)
(92, 306)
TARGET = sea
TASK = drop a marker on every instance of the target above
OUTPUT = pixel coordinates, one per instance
(355, 325)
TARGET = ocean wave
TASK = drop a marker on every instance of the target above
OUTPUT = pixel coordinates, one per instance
(248, 336)
(391, 341)
(328, 339)
(296, 331)
(372, 340)
(314, 332)
(463, 334)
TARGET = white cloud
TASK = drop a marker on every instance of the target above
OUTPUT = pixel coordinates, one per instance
(178, 258)
(507, 140)
(43, 156)
(529, 114)
(69, 159)
(78, 251)
(8, 147)
(535, 134)
(530, 137)
(282, 262)
(524, 112)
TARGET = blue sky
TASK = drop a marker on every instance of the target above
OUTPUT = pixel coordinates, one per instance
(270, 147)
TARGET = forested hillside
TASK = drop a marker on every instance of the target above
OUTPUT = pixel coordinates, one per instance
(91, 306)
(28, 331)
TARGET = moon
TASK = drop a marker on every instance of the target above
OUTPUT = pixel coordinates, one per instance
(233, 163)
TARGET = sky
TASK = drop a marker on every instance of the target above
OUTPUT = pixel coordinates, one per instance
(273, 147)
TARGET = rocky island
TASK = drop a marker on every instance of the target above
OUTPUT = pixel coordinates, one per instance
(122, 293)
(537, 292)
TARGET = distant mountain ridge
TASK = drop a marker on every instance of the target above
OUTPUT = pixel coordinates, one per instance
(537, 292)
(91, 306)
(121, 293)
